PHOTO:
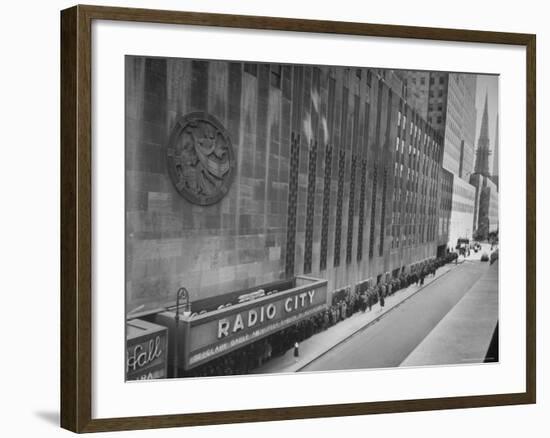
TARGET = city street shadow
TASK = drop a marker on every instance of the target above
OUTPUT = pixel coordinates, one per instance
(492, 352)
(51, 417)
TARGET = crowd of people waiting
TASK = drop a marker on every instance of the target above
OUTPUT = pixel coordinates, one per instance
(365, 296)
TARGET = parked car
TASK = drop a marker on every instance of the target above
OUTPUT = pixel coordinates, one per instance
(484, 257)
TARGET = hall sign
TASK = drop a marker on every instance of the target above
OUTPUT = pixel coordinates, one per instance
(146, 350)
(205, 337)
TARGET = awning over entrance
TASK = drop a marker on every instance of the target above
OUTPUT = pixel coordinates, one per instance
(202, 338)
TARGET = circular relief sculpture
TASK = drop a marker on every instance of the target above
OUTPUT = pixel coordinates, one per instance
(200, 157)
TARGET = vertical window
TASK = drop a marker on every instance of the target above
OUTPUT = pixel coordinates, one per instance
(339, 200)
(292, 204)
(310, 206)
(326, 207)
(351, 210)
(383, 214)
(361, 210)
(373, 211)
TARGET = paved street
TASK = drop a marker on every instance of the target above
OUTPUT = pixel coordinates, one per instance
(320, 343)
(465, 333)
(388, 342)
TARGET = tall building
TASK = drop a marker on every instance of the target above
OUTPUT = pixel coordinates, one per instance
(462, 210)
(417, 86)
(447, 101)
(486, 202)
(445, 211)
(469, 126)
(247, 177)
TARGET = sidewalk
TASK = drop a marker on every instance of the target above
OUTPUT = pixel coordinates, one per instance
(465, 333)
(320, 343)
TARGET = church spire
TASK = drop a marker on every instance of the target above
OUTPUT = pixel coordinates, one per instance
(482, 153)
(484, 131)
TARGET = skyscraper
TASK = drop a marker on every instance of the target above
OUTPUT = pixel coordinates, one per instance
(447, 102)
(469, 125)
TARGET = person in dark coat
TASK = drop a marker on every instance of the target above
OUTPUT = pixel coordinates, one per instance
(381, 293)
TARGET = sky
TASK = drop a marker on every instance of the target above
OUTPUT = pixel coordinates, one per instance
(487, 84)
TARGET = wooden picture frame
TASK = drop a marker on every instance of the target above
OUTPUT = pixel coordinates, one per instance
(76, 217)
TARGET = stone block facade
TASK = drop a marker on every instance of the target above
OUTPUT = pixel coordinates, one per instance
(335, 176)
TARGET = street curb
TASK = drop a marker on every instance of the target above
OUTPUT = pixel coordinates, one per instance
(370, 323)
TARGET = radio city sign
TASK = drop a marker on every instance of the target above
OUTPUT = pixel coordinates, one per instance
(258, 316)
(205, 337)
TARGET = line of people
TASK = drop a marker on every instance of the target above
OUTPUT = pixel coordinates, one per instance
(347, 302)
(378, 293)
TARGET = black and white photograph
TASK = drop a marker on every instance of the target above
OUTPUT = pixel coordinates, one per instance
(275, 219)
(285, 218)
